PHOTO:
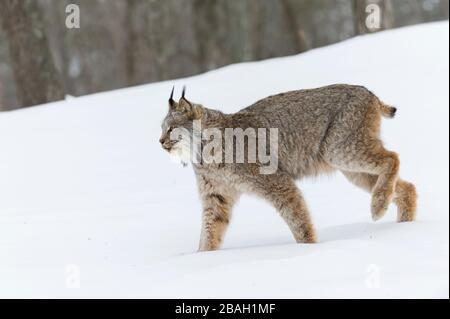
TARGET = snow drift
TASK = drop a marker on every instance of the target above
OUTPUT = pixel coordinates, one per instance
(91, 206)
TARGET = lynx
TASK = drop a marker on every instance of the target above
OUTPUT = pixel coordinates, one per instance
(319, 131)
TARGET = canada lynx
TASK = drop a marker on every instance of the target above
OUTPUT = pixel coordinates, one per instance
(319, 130)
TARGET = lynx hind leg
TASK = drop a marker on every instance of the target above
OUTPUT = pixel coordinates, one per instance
(362, 180)
(406, 201)
(280, 190)
(370, 157)
(405, 193)
(383, 192)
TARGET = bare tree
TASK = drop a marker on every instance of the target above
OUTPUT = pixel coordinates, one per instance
(34, 72)
(123, 43)
(296, 32)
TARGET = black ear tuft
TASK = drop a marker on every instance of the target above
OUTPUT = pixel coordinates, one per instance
(183, 96)
(171, 100)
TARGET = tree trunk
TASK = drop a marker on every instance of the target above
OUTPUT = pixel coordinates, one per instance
(294, 29)
(36, 77)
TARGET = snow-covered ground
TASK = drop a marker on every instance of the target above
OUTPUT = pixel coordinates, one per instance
(91, 206)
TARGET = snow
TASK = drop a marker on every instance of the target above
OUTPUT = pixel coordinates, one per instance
(91, 206)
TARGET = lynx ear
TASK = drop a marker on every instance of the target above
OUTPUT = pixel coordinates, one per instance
(172, 104)
(183, 104)
(193, 111)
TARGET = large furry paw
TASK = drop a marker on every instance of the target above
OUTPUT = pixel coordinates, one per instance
(406, 202)
(380, 204)
(308, 237)
(406, 216)
(208, 246)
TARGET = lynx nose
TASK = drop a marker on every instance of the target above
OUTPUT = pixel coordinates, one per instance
(165, 144)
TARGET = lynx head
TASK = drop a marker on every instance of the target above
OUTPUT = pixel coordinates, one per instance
(177, 126)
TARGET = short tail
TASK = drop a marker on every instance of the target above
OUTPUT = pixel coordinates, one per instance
(387, 110)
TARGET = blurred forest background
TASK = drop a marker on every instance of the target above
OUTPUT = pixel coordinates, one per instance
(123, 43)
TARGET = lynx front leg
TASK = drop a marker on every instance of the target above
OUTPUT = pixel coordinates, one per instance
(292, 208)
(282, 192)
(216, 216)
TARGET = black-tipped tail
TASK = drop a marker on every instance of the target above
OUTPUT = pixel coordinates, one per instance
(387, 110)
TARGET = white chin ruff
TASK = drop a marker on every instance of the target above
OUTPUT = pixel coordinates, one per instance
(180, 154)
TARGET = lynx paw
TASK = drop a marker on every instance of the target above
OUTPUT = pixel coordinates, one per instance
(307, 237)
(406, 216)
(380, 204)
(406, 202)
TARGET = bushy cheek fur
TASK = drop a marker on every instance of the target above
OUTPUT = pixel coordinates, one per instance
(182, 151)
